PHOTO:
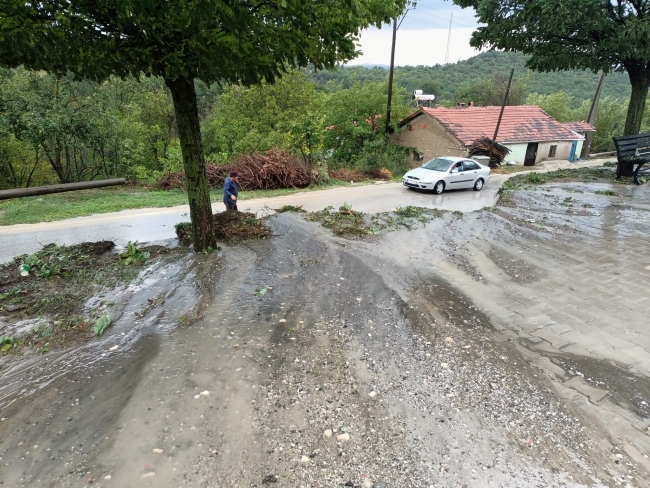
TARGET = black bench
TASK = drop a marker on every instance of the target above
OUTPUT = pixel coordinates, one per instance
(630, 151)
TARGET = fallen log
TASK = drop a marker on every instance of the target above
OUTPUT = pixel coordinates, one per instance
(46, 190)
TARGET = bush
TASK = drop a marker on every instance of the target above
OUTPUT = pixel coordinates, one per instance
(378, 154)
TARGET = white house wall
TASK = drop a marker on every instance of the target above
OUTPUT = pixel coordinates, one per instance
(562, 153)
(517, 152)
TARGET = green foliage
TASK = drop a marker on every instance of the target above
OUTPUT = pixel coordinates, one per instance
(573, 34)
(132, 255)
(349, 223)
(262, 117)
(344, 222)
(6, 343)
(355, 117)
(445, 81)
(610, 119)
(490, 90)
(76, 131)
(290, 208)
(377, 153)
(102, 324)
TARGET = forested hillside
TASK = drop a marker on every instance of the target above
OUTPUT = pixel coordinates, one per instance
(59, 130)
(446, 81)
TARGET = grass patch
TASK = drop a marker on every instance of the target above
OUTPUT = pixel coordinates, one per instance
(47, 208)
(562, 175)
(60, 281)
(350, 223)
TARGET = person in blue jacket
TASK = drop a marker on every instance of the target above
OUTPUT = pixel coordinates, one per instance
(230, 191)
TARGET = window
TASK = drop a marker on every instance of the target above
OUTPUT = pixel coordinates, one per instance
(438, 164)
(470, 165)
(551, 152)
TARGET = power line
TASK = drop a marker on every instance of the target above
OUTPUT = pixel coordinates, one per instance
(430, 23)
(458, 22)
(451, 19)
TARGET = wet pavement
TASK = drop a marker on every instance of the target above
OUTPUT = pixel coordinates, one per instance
(348, 371)
(455, 361)
(155, 224)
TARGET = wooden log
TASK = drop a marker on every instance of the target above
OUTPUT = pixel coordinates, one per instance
(46, 190)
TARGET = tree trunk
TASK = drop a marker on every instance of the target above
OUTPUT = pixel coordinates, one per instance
(189, 133)
(640, 80)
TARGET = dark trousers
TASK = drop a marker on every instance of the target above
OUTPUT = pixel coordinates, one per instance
(231, 206)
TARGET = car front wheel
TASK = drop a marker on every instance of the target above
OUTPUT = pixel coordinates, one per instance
(439, 188)
(478, 186)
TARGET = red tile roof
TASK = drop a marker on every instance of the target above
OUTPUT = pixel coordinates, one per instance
(579, 126)
(522, 123)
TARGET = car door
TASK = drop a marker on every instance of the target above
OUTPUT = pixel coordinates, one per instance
(473, 171)
(460, 178)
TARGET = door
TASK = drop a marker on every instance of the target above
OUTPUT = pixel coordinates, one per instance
(572, 157)
(531, 154)
(461, 178)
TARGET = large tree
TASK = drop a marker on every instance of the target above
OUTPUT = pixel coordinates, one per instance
(241, 41)
(574, 34)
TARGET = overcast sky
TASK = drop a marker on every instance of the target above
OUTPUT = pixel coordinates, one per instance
(422, 37)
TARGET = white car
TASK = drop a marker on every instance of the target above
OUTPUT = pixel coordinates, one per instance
(448, 173)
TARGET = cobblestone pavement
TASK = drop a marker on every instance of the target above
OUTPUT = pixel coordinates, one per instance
(563, 272)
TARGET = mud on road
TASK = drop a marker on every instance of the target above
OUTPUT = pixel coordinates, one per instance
(378, 362)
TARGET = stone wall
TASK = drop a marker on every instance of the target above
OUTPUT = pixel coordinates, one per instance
(429, 137)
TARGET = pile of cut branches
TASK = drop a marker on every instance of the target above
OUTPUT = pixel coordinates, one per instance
(170, 181)
(481, 147)
(230, 227)
(275, 169)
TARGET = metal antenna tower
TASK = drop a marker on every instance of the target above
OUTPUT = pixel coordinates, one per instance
(449, 39)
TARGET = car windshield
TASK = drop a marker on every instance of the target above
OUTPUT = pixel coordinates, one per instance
(438, 164)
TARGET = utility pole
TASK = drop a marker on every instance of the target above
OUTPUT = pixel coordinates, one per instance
(390, 77)
(392, 63)
(449, 39)
(503, 107)
(591, 120)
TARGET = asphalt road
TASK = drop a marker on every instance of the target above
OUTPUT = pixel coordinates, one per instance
(157, 224)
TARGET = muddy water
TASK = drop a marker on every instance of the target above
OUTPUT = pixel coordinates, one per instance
(359, 366)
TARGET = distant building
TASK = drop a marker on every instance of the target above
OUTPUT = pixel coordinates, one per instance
(531, 134)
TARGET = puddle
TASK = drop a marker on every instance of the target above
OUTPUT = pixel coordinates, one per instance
(628, 390)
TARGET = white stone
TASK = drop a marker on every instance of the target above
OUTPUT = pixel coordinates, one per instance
(114, 348)
(158, 451)
(328, 433)
(343, 437)
(150, 474)
(304, 459)
(107, 477)
(205, 393)
(372, 394)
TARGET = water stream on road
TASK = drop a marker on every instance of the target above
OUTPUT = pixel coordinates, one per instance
(359, 364)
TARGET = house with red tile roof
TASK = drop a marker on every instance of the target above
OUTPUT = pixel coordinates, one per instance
(531, 134)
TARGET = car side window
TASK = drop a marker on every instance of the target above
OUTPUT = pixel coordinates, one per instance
(470, 165)
(459, 167)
